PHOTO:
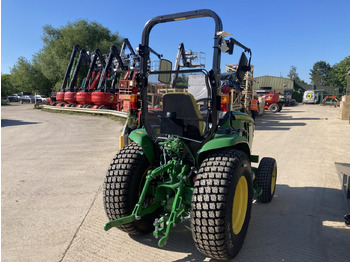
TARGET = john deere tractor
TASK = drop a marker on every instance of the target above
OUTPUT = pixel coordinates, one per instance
(190, 158)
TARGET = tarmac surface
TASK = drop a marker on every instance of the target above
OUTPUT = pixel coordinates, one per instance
(53, 166)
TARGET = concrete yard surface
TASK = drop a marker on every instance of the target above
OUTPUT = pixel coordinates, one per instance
(53, 168)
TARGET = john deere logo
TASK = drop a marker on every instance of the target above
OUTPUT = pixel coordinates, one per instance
(309, 96)
(111, 98)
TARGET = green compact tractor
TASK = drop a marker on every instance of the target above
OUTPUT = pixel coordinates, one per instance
(190, 158)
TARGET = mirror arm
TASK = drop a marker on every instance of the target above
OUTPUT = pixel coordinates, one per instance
(246, 49)
(154, 52)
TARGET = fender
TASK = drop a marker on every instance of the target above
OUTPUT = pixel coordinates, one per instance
(141, 137)
(223, 141)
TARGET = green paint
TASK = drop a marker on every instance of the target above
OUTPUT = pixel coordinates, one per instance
(141, 137)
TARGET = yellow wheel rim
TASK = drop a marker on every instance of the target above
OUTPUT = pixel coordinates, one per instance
(240, 203)
(273, 180)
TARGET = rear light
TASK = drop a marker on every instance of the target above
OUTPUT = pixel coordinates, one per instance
(133, 101)
(134, 90)
(225, 89)
(224, 103)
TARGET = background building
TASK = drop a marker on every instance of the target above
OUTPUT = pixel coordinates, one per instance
(280, 84)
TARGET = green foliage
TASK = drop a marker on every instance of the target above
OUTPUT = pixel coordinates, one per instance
(48, 66)
(182, 81)
(297, 91)
(293, 75)
(298, 95)
(320, 73)
(7, 88)
(339, 73)
(27, 76)
(58, 44)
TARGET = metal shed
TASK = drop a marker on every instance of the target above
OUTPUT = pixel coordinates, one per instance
(273, 83)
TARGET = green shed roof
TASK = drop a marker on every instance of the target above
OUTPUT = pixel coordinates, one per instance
(272, 82)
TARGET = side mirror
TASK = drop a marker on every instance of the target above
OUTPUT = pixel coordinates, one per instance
(165, 65)
(227, 46)
(230, 45)
(243, 67)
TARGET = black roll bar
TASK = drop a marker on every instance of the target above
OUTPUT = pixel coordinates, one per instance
(214, 73)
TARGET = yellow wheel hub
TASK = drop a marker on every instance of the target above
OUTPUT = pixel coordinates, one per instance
(273, 180)
(240, 203)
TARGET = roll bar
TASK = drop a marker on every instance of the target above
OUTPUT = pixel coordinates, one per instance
(214, 74)
(177, 17)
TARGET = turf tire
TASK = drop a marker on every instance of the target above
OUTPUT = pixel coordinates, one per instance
(212, 203)
(266, 179)
(123, 185)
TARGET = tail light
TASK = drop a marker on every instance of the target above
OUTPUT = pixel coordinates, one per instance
(224, 103)
(133, 101)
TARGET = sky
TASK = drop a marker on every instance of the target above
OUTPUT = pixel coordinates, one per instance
(280, 33)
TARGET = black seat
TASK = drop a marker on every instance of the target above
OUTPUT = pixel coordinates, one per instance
(181, 116)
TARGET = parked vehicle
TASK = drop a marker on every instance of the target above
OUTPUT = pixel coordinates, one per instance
(13, 98)
(26, 99)
(187, 160)
(41, 98)
(273, 103)
(310, 97)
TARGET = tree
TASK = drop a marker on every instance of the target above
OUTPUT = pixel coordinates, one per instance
(27, 76)
(48, 66)
(58, 43)
(293, 75)
(339, 73)
(297, 91)
(7, 88)
(320, 73)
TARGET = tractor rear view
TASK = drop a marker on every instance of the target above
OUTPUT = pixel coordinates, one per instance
(188, 159)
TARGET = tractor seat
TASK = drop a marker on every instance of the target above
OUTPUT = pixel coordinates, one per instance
(181, 116)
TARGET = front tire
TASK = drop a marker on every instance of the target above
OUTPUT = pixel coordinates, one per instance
(221, 204)
(274, 108)
(266, 179)
(123, 185)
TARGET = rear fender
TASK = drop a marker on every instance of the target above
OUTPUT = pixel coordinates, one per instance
(238, 143)
(141, 137)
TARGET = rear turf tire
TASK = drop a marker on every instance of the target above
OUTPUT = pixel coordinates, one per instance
(266, 179)
(123, 185)
(221, 204)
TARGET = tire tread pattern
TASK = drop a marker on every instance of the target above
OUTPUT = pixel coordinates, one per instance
(117, 184)
(209, 202)
(263, 179)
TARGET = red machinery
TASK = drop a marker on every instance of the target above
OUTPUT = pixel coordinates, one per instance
(67, 76)
(67, 96)
(272, 102)
(70, 94)
(331, 98)
(83, 97)
(104, 96)
(127, 91)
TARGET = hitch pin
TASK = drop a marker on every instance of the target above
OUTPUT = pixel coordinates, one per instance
(156, 226)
